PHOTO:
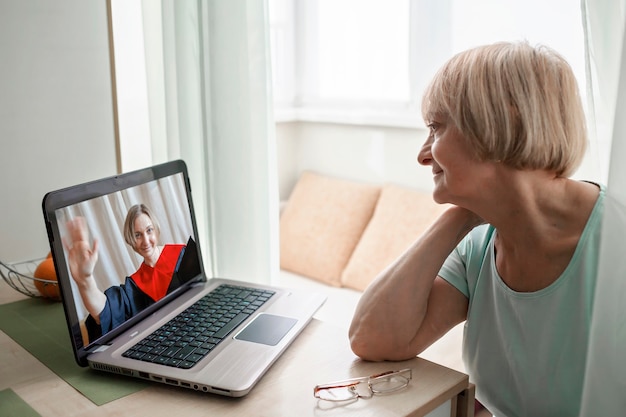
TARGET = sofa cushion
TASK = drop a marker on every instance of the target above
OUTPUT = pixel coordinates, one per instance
(401, 215)
(322, 223)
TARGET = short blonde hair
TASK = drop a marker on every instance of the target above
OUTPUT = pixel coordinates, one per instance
(129, 224)
(515, 103)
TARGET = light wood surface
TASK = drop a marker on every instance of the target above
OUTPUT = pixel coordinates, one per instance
(320, 354)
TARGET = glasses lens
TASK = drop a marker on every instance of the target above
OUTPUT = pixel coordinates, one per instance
(389, 383)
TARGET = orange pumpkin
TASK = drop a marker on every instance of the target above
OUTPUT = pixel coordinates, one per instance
(45, 270)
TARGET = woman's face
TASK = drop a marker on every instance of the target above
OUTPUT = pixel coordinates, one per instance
(146, 237)
(457, 173)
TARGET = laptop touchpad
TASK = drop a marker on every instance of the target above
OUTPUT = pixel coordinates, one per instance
(267, 329)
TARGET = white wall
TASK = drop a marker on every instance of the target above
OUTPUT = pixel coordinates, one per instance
(56, 111)
(364, 153)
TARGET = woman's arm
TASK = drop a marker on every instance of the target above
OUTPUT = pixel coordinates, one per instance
(82, 260)
(408, 307)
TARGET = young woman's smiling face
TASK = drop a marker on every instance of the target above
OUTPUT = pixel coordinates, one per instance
(145, 237)
(458, 174)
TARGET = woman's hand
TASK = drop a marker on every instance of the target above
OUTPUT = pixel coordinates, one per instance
(468, 219)
(82, 261)
(82, 256)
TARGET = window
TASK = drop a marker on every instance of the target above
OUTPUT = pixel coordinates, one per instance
(556, 23)
(363, 37)
(368, 61)
(354, 61)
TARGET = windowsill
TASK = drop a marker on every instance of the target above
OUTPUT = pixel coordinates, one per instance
(406, 118)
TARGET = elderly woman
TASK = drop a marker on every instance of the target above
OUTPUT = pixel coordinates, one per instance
(516, 256)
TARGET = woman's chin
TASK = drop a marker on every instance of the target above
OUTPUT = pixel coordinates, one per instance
(439, 197)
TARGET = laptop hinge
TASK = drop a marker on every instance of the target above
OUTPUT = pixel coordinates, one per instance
(100, 348)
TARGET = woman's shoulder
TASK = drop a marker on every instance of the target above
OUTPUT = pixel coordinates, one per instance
(476, 243)
(174, 245)
(597, 193)
(481, 235)
(172, 249)
(591, 190)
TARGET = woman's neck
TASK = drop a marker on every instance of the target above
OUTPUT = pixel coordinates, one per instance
(152, 261)
(539, 222)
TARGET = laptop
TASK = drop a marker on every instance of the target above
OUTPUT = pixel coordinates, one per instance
(172, 324)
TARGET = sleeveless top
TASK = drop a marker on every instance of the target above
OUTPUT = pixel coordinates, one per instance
(526, 351)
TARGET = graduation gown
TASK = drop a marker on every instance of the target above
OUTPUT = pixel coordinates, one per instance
(142, 289)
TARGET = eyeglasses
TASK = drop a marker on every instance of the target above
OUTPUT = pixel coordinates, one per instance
(364, 387)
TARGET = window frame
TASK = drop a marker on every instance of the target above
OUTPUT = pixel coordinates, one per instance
(295, 81)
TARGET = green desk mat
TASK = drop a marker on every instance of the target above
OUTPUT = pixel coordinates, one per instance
(11, 405)
(39, 327)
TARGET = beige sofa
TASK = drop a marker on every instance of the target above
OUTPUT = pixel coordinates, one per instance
(336, 235)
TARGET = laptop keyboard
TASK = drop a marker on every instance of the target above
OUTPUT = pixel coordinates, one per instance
(190, 336)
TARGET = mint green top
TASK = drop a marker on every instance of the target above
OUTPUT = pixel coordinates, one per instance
(526, 351)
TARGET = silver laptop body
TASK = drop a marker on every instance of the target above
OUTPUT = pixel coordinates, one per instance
(250, 344)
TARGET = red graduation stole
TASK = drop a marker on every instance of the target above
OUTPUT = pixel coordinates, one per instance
(154, 281)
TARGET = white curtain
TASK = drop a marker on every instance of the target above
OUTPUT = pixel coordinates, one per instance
(207, 66)
(605, 384)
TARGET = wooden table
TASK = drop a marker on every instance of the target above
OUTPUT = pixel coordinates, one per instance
(320, 354)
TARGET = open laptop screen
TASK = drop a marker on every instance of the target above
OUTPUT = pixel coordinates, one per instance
(133, 238)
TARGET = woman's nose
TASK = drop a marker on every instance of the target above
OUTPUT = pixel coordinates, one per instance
(424, 157)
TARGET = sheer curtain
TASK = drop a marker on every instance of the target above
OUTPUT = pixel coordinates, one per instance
(605, 382)
(209, 102)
